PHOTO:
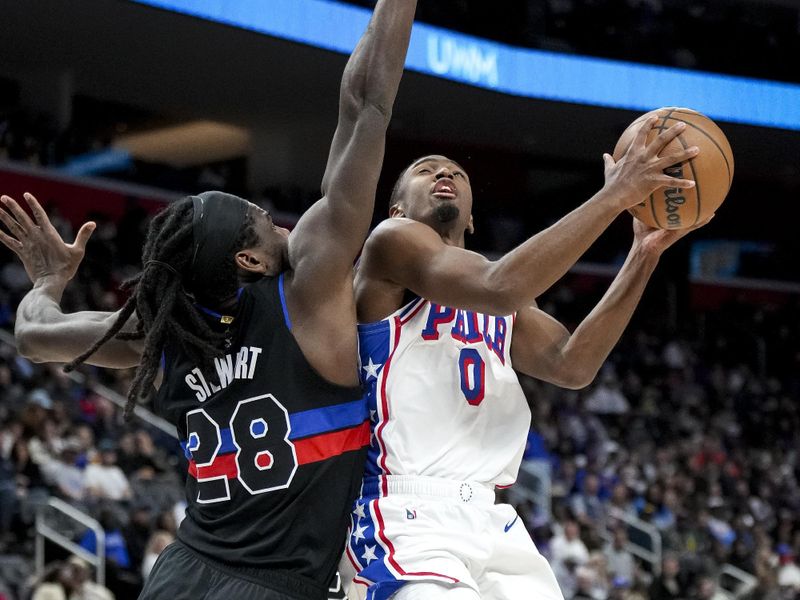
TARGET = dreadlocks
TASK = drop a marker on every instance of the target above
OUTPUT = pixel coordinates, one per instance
(166, 309)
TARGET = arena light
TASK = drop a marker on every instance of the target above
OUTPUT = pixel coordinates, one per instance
(186, 144)
(511, 70)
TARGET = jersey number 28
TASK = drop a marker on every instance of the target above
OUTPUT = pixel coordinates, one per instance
(265, 458)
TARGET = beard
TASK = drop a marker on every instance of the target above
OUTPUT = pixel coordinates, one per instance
(446, 212)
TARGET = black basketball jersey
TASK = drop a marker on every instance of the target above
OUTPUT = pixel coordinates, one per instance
(275, 452)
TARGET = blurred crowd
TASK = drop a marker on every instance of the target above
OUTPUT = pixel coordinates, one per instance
(747, 37)
(694, 434)
(60, 438)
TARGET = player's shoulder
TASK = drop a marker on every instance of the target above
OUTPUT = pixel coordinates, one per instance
(402, 234)
(395, 225)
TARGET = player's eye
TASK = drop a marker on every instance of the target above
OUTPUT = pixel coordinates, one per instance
(458, 174)
(423, 171)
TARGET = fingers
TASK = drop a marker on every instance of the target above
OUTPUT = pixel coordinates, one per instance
(20, 215)
(9, 242)
(608, 161)
(677, 158)
(42, 220)
(641, 134)
(663, 139)
(674, 182)
(84, 234)
(11, 223)
(670, 236)
(677, 234)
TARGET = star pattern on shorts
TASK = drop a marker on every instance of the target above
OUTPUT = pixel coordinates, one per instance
(369, 554)
(359, 511)
(358, 534)
(372, 369)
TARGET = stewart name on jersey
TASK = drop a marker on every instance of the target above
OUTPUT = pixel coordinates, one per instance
(275, 452)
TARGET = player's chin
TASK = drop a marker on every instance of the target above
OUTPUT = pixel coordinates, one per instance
(446, 212)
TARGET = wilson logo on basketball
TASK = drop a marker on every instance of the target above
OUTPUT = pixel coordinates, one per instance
(674, 198)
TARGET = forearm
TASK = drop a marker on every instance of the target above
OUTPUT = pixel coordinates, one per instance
(594, 339)
(373, 73)
(44, 333)
(531, 269)
(40, 308)
(331, 234)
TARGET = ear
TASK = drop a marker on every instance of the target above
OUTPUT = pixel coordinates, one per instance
(252, 262)
(471, 226)
(396, 211)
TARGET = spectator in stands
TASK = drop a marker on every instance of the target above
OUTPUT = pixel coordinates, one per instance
(707, 589)
(665, 515)
(67, 478)
(166, 521)
(47, 443)
(116, 547)
(138, 530)
(586, 505)
(789, 572)
(58, 582)
(598, 563)
(669, 584)
(159, 540)
(104, 480)
(567, 552)
(606, 398)
(84, 437)
(585, 584)
(620, 500)
(148, 454)
(620, 560)
(70, 580)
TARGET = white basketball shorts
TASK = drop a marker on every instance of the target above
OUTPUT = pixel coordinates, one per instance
(416, 529)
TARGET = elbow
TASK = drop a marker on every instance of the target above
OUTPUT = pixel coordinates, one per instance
(27, 343)
(357, 105)
(565, 371)
(577, 377)
(504, 294)
(577, 383)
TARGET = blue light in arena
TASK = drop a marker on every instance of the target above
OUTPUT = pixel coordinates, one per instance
(511, 70)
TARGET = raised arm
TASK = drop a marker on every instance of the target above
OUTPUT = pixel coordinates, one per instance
(543, 348)
(44, 333)
(329, 236)
(412, 256)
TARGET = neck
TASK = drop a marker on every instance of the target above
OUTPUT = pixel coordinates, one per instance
(452, 235)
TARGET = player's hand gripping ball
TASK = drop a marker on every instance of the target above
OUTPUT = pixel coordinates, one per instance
(711, 170)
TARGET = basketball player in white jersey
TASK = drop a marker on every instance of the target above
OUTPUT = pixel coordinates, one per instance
(449, 418)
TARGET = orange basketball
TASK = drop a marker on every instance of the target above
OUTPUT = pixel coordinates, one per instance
(711, 170)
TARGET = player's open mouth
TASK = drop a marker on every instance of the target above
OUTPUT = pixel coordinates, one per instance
(445, 190)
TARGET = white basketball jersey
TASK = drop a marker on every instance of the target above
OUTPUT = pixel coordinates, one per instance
(444, 400)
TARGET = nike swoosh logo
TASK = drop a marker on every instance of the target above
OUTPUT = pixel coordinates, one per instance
(510, 525)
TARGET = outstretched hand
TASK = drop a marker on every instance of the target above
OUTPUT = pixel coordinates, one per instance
(640, 171)
(655, 241)
(37, 243)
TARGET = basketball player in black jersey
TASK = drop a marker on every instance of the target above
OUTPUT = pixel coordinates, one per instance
(254, 331)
